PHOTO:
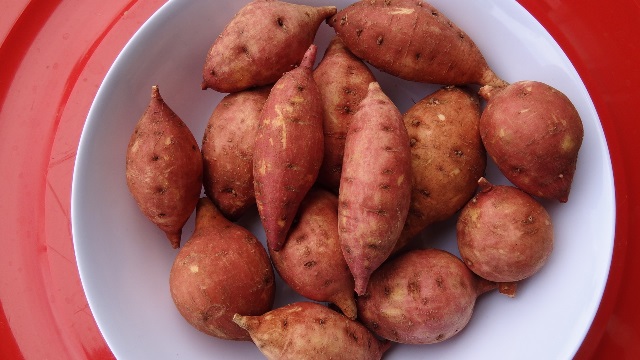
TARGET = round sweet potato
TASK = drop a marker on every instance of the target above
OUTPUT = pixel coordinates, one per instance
(221, 270)
(423, 296)
(533, 133)
(504, 235)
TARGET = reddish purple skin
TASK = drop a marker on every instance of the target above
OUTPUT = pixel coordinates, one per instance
(424, 46)
(423, 296)
(504, 235)
(343, 80)
(533, 133)
(227, 151)
(164, 168)
(265, 39)
(375, 187)
(311, 260)
(288, 150)
(306, 330)
(222, 270)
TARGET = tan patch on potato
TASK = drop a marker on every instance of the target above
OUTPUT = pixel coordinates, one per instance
(402, 11)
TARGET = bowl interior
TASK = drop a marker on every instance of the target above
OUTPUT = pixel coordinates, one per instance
(124, 260)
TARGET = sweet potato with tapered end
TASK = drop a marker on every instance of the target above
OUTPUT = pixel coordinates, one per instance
(414, 41)
(343, 80)
(447, 157)
(227, 151)
(311, 260)
(265, 39)
(164, 168)
(424, 296)
(375, 186)
(221, 270)
(504, 234)
(306, 330)
(288, 149)
(533, 132)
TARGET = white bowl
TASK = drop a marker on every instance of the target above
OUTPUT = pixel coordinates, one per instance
(124, 260)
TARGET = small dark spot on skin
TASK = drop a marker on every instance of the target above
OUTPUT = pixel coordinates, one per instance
(424, 192)
(290, 166)
(387, 171)
(375, 325)
(413, 142)
(161, 190)
(385, 187)
(353, 336)
(336, 169)
(285, 323)
(155, 158)
(412, 287)
(227, 190)
(348, 91)
(358, 32)
(380, 40)
(291, 188)
(388, 148)
(415, 123)
(300, 88)
(212, 72)
(517, 170)
(418, 56)
(343, 20)
(434, 13)
(458, 153)
(387, 128)
(461, 35)
(161, 215)
(439, 281)
(450, 23)
(439, 337)
(528, 220)
(328, 282)
(387, 291)
(347, 110)
(195, 148)
(310, 264)
(280, 22)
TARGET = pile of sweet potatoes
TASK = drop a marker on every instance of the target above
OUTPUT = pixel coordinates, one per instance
(344, 182)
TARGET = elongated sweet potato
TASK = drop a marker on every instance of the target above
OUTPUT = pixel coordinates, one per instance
(265, 39)
(164, 168)
(343, 80)
(504, 235)
(306, 330)
(375, 187)
(424, 296)
(221, 270)
(311, 260)
(447, 157)
(227, 151)
(533, 133)
(412, 40)
(288, 150)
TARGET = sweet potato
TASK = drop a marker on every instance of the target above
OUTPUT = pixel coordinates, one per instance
(227, 151)
(306, 330)
(533, 133)
(311, 260)
(423, 296)
(164, 168)
(375, 186)
(265, 39)
(221, 270)
(504, 235)
(343, 80)
(288, 150)
(447, 157)
(423, 44)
